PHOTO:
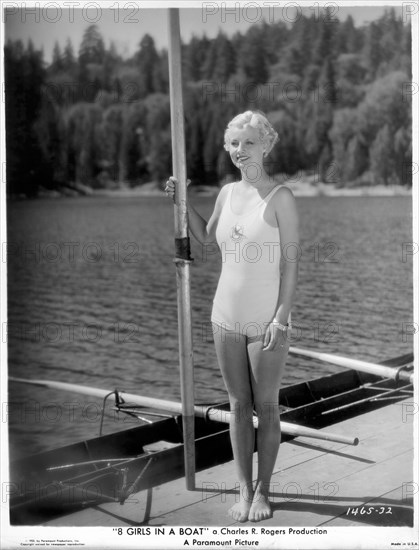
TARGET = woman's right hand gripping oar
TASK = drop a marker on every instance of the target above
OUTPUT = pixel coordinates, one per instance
(170, 188)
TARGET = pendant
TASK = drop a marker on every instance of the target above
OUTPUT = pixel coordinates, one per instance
(237, 232)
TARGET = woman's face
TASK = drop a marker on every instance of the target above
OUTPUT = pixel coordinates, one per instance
(245, 147)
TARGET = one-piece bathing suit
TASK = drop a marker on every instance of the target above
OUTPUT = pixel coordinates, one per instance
(247, 294)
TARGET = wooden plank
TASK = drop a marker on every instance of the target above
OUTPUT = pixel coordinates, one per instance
(382, 433)
(307, 505)
(337, 464)
(354, 491)
(401, 514)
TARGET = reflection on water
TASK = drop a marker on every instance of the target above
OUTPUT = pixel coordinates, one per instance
(92, 300)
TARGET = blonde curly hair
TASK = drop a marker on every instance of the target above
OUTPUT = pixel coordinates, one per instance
(256, 119)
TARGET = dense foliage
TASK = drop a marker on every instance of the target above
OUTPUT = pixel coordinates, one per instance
(338, 95)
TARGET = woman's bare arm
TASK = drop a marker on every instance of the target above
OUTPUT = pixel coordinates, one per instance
(288, 222)
(203, 231)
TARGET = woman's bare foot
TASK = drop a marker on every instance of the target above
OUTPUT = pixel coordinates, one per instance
(240, 510)
(261, 507)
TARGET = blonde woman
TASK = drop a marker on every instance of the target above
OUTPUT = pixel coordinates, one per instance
(255, 224)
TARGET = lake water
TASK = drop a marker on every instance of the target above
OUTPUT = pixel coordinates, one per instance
(92, 300)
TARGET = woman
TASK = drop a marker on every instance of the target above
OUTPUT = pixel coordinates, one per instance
(255, 224)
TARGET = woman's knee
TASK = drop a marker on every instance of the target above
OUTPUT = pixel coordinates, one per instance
(241, 406)
(267, 411)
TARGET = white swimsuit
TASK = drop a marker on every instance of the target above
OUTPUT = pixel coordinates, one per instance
(247, 295)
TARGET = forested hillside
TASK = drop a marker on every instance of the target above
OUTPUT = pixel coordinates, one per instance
(338, 95)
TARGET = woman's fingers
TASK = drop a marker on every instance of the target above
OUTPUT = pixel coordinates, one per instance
(170, 187)
(270, 340)
(274, 338)
(266, 339)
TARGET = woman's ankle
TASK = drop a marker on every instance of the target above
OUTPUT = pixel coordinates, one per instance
(246, 491)
(262, 488)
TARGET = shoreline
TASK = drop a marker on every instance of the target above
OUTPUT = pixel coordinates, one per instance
(299, 189)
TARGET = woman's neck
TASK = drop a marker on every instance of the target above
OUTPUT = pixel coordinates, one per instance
(260, 182)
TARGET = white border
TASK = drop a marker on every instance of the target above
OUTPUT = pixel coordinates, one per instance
(103, 537)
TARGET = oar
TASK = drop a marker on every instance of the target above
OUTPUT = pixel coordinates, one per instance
(288, 428)
(182, 246)
(363, 366)
(211, 413)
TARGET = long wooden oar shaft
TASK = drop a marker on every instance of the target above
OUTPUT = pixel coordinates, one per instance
(212, 413)
(287, 427)
(356, 364)
(182, 246)
(142, 400)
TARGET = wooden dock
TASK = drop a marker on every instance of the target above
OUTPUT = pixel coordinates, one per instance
(315, 483)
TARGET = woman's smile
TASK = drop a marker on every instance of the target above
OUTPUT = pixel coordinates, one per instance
(241, 157)
(245, 145)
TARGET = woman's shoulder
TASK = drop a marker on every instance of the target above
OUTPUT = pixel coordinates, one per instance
(226, 186)
(283, 199)
(283, 193)
(223, 192)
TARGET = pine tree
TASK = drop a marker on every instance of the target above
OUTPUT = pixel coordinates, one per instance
(136, 144)
(91, 56)
(157, 131)
(192, 61)
(194, 149)
(82, 122)
(350, 38)
(253, 57)
(57, 58)
(50, 135)
(225, 55)
(372, 49)
(146, 59)
(110, 61)
(210, 62)
(277, 36)
(111, 132)
(382, 157)
(354, 161)
(69, 60)
(294, 61)
(92, 48)
(324, 47)
(195, 57)
(24, 78)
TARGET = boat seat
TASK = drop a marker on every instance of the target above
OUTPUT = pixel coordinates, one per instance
(157, 446)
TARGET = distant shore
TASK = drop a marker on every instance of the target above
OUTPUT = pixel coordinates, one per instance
(300, 188)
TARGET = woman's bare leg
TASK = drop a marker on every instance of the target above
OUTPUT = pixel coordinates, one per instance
(266, 372)
(234, 364)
